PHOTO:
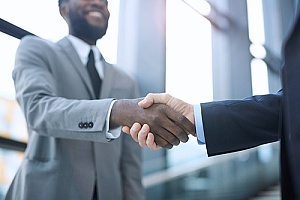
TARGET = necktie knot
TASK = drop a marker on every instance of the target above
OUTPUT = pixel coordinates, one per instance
(91, 56)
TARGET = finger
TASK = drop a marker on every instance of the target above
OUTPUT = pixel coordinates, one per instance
(186, 126)
(177, 134)
(162, 142)
(136, 127)
(142, 135)
(126, 129)
(150, 142)
(166, 133)
(173, 131)
(152, 98)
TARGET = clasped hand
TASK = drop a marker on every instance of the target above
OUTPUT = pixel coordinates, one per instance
(144, 133)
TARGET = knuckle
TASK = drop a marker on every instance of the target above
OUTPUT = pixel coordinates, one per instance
(161, 142)
(183, 136)
(168, 96)
(168, 146)
(185, 139)
(156, 120)
(174, 141)
(181, 118)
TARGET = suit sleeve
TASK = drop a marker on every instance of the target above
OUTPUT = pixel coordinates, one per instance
(234, 125)
(45, 111)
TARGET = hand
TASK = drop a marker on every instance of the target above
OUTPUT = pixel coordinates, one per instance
(143, 136)
(180, 106)
(170, 127)
(140, 134)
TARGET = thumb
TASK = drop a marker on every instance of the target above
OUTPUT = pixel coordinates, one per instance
(152, 98)
(147, 101)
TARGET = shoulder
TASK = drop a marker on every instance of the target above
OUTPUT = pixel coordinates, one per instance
(35, 45)
(31, 40)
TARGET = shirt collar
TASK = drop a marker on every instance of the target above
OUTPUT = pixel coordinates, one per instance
(82, 48)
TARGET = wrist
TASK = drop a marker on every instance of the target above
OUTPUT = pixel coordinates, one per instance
(191, 115)
(116, 113)
(122, 112)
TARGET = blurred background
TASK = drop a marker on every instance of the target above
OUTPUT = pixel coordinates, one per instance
(196, 50)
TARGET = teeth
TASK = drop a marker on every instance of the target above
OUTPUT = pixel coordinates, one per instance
(96, 14)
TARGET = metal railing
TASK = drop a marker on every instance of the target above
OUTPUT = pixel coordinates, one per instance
(12, 30)
(12, 144)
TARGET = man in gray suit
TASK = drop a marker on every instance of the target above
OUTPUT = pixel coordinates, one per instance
(76, 150)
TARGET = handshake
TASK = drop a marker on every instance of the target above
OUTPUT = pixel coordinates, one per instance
(157, 121)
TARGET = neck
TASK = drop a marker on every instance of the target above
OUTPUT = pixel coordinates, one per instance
(89, 41)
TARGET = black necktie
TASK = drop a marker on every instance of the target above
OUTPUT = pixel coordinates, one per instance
(96, 81)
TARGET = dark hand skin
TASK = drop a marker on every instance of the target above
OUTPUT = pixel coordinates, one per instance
(169, 127)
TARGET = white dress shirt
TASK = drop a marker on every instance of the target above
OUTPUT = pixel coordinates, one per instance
(199, 124)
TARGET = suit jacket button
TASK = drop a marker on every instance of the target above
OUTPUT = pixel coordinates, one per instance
(85, 125)
(91, 125)
(80, 125)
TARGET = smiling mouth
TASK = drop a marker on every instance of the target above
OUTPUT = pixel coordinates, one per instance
(96, 14)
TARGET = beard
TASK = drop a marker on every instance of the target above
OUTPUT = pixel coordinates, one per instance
(82, 29)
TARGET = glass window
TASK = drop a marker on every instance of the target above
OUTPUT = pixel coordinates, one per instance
(39, 17)
(12, 123)
(42, 18)
(8, 49)
(188, 67)
(259, 71)
(9, 164)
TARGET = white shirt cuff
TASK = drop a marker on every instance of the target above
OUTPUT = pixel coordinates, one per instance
(199, 124)
(112, 133)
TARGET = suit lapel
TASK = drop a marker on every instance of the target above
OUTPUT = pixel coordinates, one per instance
(73, 57)
(107, 80)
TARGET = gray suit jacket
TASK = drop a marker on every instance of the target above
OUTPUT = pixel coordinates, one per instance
(62, 160)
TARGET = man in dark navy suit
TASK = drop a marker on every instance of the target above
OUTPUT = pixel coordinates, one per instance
(233, 125)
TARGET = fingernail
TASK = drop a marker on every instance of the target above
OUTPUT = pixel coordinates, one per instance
(141, 102)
